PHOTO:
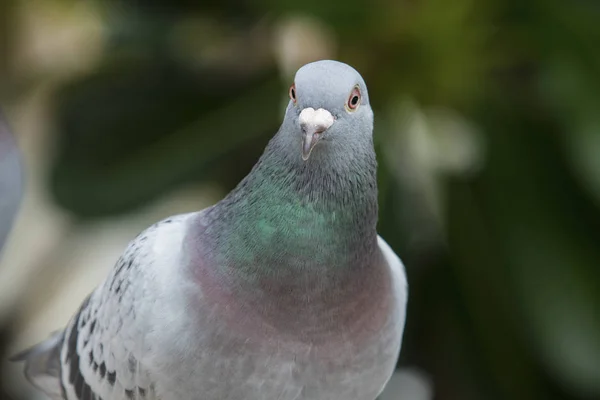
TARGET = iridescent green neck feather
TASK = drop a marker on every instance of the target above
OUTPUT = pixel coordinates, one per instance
(291, 216)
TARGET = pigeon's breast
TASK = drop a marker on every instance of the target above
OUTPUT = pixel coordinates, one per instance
(285, 349)
(318, 309)
(224, 365)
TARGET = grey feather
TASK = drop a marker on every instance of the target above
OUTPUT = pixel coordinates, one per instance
(42, 367)
(283, 290)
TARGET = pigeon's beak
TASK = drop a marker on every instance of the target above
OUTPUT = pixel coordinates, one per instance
(313, 123)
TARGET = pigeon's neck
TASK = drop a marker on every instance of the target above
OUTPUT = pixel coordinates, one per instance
(297, 220)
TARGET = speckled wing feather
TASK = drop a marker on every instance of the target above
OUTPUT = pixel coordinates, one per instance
(101, 353)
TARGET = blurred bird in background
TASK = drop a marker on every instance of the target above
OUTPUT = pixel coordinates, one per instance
(11, 192)
(11, 181)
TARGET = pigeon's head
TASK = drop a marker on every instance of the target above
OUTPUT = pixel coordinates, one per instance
(329, 109)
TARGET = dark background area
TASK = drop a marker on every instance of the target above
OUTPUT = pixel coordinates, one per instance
(487, 128)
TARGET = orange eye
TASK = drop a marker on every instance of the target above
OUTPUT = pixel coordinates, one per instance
(354, 99)
(293, 92)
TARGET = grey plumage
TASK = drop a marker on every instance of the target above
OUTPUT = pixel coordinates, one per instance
(283, 290)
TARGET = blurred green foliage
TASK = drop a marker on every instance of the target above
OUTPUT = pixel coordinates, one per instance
(505, 299)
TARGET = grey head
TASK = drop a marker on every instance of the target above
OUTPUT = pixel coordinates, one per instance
(328, 115)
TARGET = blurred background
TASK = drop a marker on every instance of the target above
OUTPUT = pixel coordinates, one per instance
(487, 128)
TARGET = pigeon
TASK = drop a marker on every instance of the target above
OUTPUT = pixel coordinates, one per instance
(283, 290)
(11, 181)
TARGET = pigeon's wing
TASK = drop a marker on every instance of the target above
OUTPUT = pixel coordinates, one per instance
(399, 278)
(395, 264)
(101, 353)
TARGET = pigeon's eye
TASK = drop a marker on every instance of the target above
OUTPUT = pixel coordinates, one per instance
(293, 92)
(353, 100)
